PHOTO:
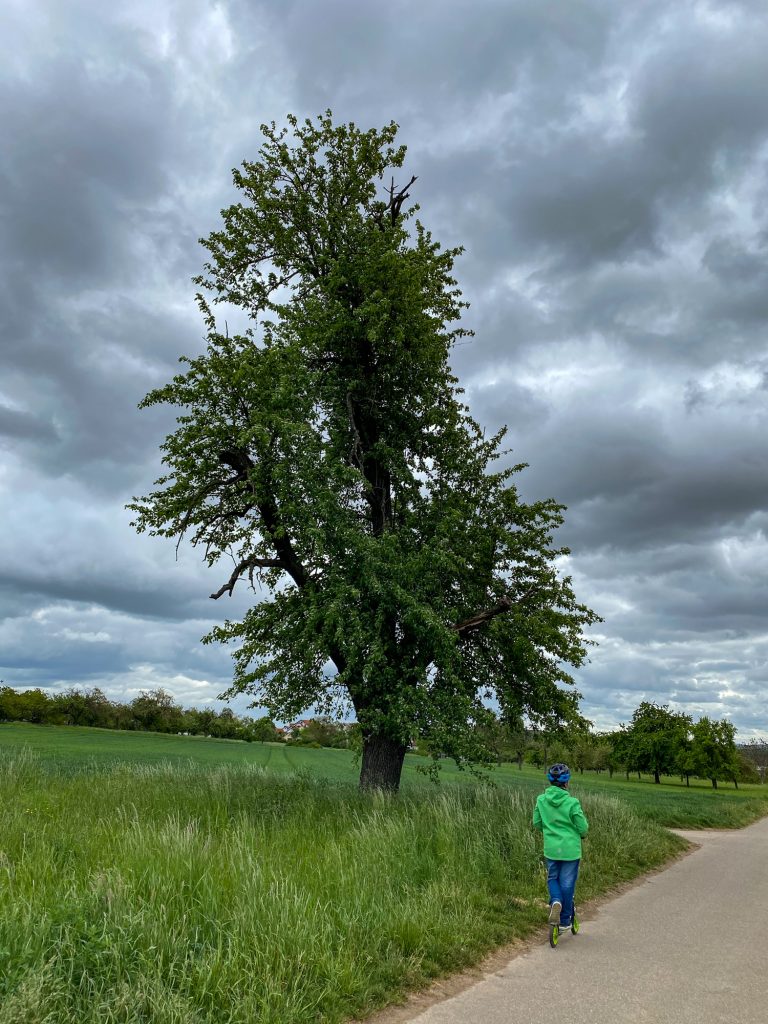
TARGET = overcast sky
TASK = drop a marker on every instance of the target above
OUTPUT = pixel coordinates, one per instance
(605, 165)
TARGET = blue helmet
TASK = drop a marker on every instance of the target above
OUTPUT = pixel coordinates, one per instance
(559, 773)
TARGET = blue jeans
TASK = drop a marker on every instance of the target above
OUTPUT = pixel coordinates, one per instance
(561, 882)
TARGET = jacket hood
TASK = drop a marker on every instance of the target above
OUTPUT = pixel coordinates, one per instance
(555, 795)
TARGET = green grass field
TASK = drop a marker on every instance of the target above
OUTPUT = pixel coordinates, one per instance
(671, 804)
(148, 879)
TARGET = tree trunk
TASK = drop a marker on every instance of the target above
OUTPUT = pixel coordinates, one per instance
(656, 777)
(714, 783)
(382, 763)
(688, 781)
(520, 761)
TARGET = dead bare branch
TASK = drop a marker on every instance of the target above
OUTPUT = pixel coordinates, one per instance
(394, 204)
(250, 564)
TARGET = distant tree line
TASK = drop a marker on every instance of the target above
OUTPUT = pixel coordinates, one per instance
(151, 711)
(656, 742)
(157, 711)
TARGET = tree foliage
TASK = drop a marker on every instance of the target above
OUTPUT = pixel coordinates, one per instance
(713, 753)
(653, 739)
(756, 751)
(326, 452)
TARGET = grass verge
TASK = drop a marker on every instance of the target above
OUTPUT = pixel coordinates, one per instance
(189, 894)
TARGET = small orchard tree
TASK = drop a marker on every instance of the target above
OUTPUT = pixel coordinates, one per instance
(685, 761)
(34, 706)
(9, 704)
(226, 726)
(85, 707)
(507, 741)
(205, 721)
(582, 753)
(263, 730)
(713, 751)
(326, 451)
(156, 711)
(746, 768)
(756, 750)
(653, 739)
(620, 757)
(602, 756)
(516, 741)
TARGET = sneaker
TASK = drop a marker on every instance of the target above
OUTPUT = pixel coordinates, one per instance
(554, 912)
(563, 925)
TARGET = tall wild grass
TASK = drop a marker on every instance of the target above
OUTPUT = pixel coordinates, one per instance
(184, 894)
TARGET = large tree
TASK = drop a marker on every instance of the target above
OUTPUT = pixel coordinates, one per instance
(326, 451)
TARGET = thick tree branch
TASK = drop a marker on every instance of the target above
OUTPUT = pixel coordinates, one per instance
(238, 460)
(270, 516)
(480, 618)
(250, 564)
(243, 465)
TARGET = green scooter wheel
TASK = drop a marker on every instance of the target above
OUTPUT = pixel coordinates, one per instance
(554, 935)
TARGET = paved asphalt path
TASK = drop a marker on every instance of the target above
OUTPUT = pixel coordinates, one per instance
(689, 944)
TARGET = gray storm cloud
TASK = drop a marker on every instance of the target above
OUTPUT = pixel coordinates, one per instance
(604, 166)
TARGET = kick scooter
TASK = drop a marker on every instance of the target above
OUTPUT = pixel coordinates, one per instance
(555, 929)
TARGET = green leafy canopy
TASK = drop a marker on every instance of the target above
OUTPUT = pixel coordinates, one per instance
(326, 451)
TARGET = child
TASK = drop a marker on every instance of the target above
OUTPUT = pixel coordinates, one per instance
(559, 816)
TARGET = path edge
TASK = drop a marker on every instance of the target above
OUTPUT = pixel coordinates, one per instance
(451, 985)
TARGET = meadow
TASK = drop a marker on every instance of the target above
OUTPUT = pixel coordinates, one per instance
(149, 879)
(75, 749)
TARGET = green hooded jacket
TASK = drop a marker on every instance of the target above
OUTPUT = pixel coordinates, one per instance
(559, 816)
